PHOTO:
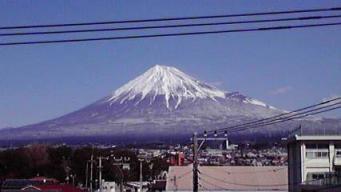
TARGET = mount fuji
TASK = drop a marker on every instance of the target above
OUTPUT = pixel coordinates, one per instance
(163, 104)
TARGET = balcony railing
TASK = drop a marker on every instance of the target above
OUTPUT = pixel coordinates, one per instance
(313, 131)
(331, 179)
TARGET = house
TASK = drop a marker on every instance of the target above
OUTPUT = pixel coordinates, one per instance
(51, 188)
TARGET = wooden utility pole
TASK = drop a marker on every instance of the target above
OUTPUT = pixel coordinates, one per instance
(195, 163)
(100, 173)
(86, 174)
(91, 170)
(197, 148)
(141, 176)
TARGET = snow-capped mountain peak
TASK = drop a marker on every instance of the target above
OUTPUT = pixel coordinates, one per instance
(168, 82)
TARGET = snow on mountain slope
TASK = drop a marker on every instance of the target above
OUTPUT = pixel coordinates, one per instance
(167, 81)
(173, 84)
(163, 99)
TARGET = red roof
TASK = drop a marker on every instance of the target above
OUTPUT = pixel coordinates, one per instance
(45, 179)
(63, 188)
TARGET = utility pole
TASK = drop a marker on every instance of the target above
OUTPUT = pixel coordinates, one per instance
(195, 162)
(91, 169)
(141, 177)
(100, 173)
(122, 161)
(86, 174)
(196, 149)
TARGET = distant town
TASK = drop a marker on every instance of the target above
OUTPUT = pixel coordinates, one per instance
(71, 164)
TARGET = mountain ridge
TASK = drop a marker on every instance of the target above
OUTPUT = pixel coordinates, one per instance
(163, 103)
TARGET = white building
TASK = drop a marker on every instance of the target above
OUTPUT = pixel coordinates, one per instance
(110, 186)
(314, 162)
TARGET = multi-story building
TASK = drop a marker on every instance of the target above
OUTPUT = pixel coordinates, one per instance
(314, 162)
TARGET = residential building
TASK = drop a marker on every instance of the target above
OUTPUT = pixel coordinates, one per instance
(314, 162)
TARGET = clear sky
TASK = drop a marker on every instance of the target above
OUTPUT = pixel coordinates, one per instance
(286, 69)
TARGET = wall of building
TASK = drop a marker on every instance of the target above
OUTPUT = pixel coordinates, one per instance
(311, 161)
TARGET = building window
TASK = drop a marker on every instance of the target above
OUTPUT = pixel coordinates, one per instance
(317, 146)
(311, 176)
(317, 154)
(317, 151)
(338, 153)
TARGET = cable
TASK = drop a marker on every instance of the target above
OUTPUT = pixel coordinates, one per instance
(202, 186)
(299, 117)
(170, 34)
(282, 119)
(261, 171)
(242, 184)
(212, 184)
(250, 185)
(276, 116)
(169, 26)
(181, 176)
(175, 18)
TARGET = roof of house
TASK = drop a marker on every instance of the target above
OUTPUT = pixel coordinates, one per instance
(45, 180)
(56, 187)
(234, 178)
(317, 138)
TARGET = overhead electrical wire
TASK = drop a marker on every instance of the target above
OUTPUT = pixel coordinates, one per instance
(182, 175)
(286, 113)
(240, 184)
(289, 119)
(301, 18)
(223, 181)
(175, 18)
(284, 116)
(247, 172)
(212, 184)
(171, 34)
(294, 116)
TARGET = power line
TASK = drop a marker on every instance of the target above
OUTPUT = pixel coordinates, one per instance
(170, 34)
(182, 175)
(276, 116)
(171, 26)
(212, 184)
(241, 184)
(247, 172)
(286, 118)
(175, 18)
(292, 118)
(249, 185)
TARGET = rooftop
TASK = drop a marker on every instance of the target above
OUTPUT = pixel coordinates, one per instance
(311, 133)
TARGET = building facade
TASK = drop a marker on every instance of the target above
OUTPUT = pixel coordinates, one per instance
(314, 162)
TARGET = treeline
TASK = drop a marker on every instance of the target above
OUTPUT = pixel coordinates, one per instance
(69, 165)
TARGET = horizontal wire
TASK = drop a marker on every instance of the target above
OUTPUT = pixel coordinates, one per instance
(287, 117)
(276, 116)
(169, 26)
(169, 34)
(174, 18)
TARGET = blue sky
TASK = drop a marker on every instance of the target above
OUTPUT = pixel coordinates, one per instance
(286, 69)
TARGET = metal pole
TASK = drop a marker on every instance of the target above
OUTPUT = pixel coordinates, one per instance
(86, 174)
(100, 173)
(141, 176)
(122, 177)
(195, 162)
(91, 171)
